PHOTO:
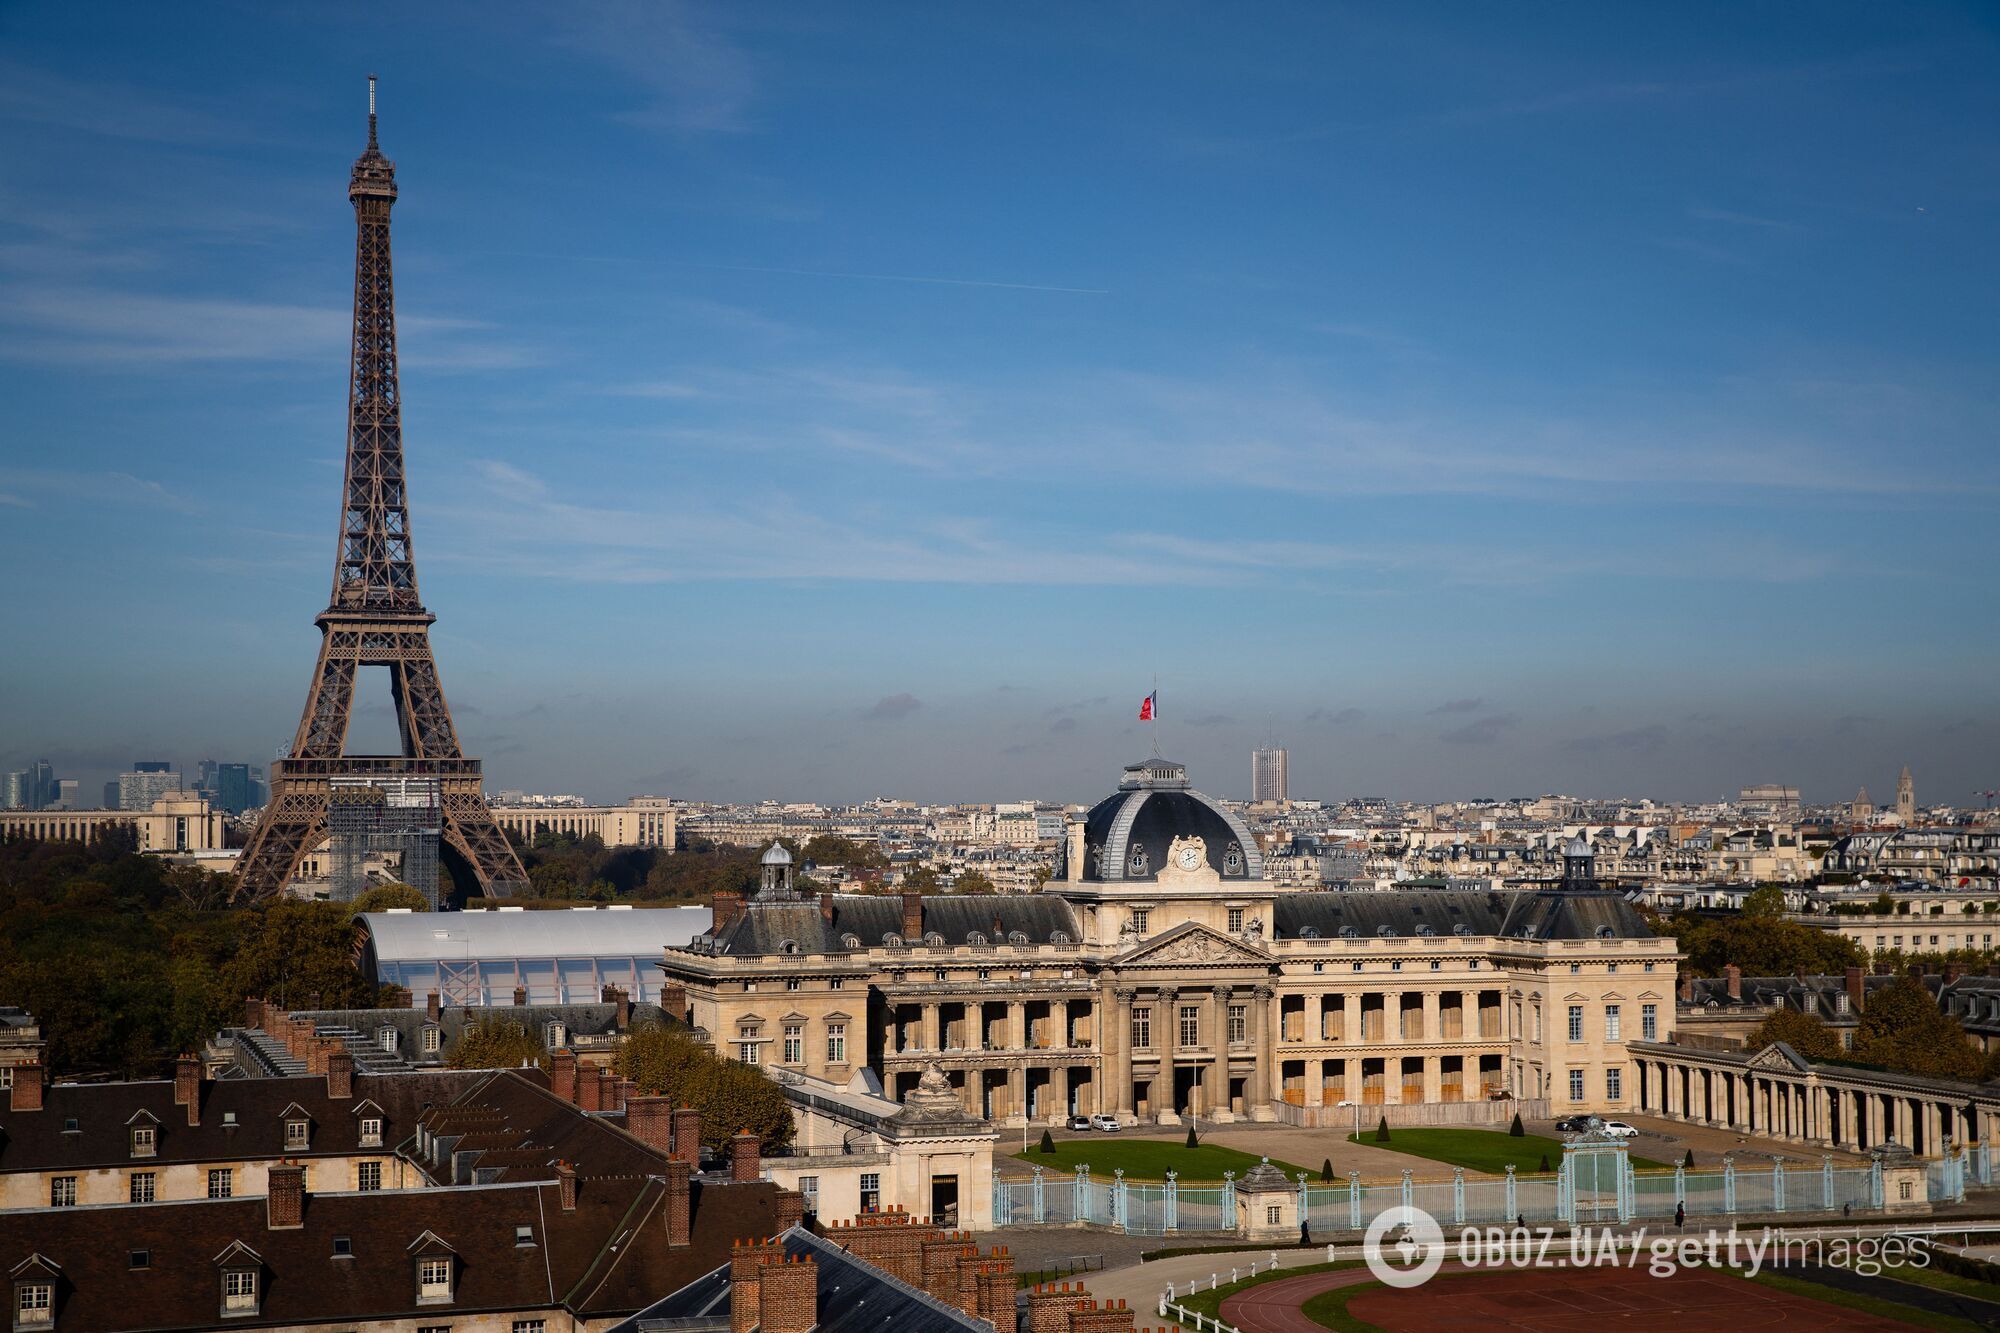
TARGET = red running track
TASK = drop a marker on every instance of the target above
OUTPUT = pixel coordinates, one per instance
(1548, 1301)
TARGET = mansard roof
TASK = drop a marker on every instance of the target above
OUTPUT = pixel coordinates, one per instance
(869, 920)
(1547, 914)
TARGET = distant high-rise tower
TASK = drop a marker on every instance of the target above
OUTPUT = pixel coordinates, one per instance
(374, 617)
(1906, 797)
(1270, 774)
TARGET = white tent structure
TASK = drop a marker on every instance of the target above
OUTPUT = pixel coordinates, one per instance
(563, 957)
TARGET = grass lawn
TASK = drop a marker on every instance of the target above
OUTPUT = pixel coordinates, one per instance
(1907, 1314)
(1488, 1150)
(1150, 1159)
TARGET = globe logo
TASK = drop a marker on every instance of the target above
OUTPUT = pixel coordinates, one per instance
(1404, 1247)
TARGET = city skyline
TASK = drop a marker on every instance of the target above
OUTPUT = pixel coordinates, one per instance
(784, 481)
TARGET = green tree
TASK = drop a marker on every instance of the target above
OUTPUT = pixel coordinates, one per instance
(300, 955)
(496, 1044)
(1804, 1033)
(383, 897)
(922, 879)
(1903, 1029)
(830, 849)
(972, 881)
(664, 1061)
(1192, 1141)
(1765, 900)
(1688, 1161)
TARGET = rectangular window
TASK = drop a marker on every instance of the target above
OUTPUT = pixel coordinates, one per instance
(1236, 921)
(1140, 916)
(433, 1279)
(809, 1187)
(62, 1191)
(1649, 1020)
(239, 1289)
(1273, 1214)
(141, 1190)
(1142, 1029)
(795, 1043)
(432, 1036)
(1576, 1085)
(793, 983)
(296, 1132)
(1239, 1024)
(1538, 1024)
(368, 1175)
(1614, 1083)
(871, 1192)
(371, 1132)
(530, 1326)
(35, 1305)
(1190, 1025)
(1612, 1023)
(142, 1140)
(836, 1043)
(1576, 1022)
(221, 1184)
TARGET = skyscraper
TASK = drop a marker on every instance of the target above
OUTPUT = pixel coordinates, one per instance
(1270, 774)
(138, 790)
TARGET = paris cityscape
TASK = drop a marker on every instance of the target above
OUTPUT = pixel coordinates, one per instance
(1040, 671)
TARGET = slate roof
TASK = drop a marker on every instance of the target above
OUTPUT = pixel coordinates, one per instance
(1537, 915)
(779, 927)
(608, 1257)
(42, 1140)
(854, 1297)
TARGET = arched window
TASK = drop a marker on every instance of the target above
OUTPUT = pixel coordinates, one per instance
(1017, 937)
(1309, 932)
(892, 938)
(974, 937)
(1058, 937)
(933, 939)
(850, 941)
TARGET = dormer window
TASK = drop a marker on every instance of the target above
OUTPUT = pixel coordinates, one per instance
(239, 1291)
(371, 1131)
(34, 1305)
(1232, 860)
(388, 1039)
(298, 1134)
(433, 1037)
(145, 1140)
(553, 1034)
(1136, 864)
(433, 1280)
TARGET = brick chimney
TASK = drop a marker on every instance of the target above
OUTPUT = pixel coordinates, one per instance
(566, 1186)
(680, 1207)
(791, 1209)
(743, 1164)
(562, 1074)
(434, 1006)
(1049, 1305)
(609, 1087)
(1735, 975)
(674, 1001)
(1687, 988)
(520, 997)
(1953, 971)
(187, 1086)
(1857, 990)
(826, 906)
(996, 1296)
(589, 1088)
(253, 1012)
(285, 1197)
(687, 1136)
(724, 908)
(339, 1074)
(788, 1294)
(913, 918)
(27, 1091)
(746, 1268)
(620, 997)
(651, 1121)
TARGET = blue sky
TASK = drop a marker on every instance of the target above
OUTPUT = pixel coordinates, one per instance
(822, 400)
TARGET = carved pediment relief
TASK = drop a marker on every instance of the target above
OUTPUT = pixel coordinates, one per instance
(1192, 944)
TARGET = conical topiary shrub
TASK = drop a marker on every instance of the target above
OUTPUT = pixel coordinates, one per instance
(1048, 1142)
(1382, 1131)
(1515, 1129)
(1192, 1141)
(1326, 1172)
(1544, 1167)
(1688, 1161)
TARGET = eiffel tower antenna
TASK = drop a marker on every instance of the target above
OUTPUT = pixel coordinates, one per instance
(374, 616)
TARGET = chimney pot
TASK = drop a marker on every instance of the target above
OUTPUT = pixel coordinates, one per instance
(743, 1163)
(1735, 976)
(520, 996)
(285, 1196)
(566, 1186)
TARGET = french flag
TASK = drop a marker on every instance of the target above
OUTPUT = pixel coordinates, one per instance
(1149, 707)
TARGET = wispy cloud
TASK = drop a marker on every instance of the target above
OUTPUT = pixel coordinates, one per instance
(691, 77)
(1634, 740)
(1735, 219)
(1485, 731)
(96, 488)
(1458, 706)
(892, 708)
(35, 96)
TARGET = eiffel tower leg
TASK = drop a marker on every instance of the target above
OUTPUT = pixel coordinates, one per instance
(293, 827)
(469, 828)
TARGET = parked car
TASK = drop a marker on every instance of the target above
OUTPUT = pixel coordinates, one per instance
(1573, 1124)
(1079, 1122)
(1617, 1129)
(1107, 1123)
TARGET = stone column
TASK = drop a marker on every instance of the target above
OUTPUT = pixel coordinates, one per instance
(1431, 1078)
(1117, 1046)
(1017, 1025)
(1017, 1092)
(1264, 1018)
(1468, 1016)
(1350, 1017)
(1059, 1015)
(1392, 1016)
(1433, 1012)
(933, 1025)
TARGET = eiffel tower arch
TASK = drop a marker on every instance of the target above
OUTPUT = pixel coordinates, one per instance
(374, 617)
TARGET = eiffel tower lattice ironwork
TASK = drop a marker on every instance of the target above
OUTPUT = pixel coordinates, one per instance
(375, 617)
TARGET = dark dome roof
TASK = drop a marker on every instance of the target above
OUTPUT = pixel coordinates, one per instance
(1127, 835)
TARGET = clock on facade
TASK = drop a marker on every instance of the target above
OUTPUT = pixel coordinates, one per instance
(1189, 856)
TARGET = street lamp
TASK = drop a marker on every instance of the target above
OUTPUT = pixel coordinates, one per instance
(1357, 1116)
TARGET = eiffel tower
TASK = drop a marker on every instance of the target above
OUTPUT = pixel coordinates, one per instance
(375, 617)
